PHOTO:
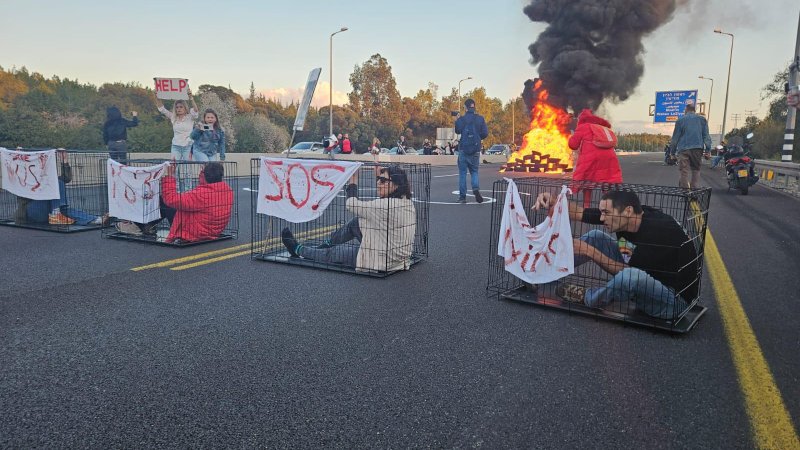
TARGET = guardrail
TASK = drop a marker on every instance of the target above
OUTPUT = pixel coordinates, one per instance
(783, 176)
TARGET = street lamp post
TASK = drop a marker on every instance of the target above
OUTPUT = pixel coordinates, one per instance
(727, 88)
(710, 95)
(330, 82)
(459, 94)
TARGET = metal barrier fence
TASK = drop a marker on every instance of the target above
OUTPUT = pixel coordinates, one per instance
(190, 210)
(82, 204)
(369, 235)
(649, 277)
(783, 176)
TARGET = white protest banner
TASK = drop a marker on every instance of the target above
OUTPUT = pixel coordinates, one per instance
(302, 109)
(133, 192)
(172, 88)
(300, 190)
(536, 255)
(32, 175)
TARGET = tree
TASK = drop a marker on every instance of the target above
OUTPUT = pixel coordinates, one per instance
(375, 95)
(256, 134)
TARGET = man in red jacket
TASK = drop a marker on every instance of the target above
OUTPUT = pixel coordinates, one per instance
(202, 213)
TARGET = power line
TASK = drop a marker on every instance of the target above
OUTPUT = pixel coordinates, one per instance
(735, 118)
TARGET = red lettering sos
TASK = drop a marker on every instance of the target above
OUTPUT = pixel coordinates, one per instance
(285, 176)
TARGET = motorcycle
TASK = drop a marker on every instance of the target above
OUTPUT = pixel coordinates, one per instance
(740, 169)
(669, 160)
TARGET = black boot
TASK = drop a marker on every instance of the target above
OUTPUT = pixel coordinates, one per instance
(289, 241)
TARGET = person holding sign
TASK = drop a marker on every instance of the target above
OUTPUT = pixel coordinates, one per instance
(182, 119)
(209, 139)
(381, 235)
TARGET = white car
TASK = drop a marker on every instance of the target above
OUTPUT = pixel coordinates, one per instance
(305, 147)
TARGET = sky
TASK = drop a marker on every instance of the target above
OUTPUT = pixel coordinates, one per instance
(274, 44)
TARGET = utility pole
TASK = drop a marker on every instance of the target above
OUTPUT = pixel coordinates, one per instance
(735, 118)
(749, 113)
(791, 112)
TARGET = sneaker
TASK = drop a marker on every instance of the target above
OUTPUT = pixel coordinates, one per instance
(478, 196)
(289, 241)
(571, 293)
(59, 219)
(128, 228)
(100, 220)
(462, 201)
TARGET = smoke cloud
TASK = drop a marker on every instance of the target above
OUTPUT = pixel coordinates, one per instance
(592, 50)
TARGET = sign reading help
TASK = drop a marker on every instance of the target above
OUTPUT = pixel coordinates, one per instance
(172, 88)
(32, 175)
(300, 190)
(133, 192)
(536, 255)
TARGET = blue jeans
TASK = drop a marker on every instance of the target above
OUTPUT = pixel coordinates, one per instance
(650, 295)
(467, 162)
(39, 210)
(202, 157)
(715, 160)
(181, 152)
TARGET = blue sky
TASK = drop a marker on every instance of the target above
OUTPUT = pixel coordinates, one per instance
(275, 44)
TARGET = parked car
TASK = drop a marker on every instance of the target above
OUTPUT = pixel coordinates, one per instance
(393, 151)
(499, 149)
(305, 147)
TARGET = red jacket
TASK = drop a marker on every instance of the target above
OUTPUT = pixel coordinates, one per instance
(202, 213)
(346, 147)
(596, 164)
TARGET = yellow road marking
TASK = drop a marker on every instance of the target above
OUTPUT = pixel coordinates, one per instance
(768, 415)
(213, 254)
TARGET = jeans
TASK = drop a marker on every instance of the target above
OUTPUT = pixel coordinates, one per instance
(202, 157)
(39, 210)
(630, 284)
(334, 252)
(467, 162)
(181, 152)
(715, 160)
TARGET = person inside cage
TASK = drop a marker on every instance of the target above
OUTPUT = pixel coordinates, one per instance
(57, 211)
(381, 235)
(202, 213)
(652, 260)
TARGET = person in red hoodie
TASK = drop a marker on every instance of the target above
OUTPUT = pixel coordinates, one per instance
(202, 213)
(596, 160)
(346, 145)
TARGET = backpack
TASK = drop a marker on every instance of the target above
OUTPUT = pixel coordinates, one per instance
(603, 137)
(470, 142)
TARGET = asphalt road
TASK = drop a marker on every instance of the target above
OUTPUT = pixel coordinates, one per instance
(243, 353)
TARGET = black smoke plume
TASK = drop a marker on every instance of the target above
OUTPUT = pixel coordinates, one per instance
(592, 49)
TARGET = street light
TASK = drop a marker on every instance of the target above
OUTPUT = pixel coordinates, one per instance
(727, 88)
(330, 83)
(710, 96)
(459, 93)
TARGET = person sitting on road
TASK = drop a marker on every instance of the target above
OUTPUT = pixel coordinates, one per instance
(381, 235)
(57, 211)
(202, 213)
(652, 259)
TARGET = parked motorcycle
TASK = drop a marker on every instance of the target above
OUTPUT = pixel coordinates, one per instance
(669, 160)
(740, 169)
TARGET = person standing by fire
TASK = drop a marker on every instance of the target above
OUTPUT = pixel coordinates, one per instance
(595, 159)
(472, 129)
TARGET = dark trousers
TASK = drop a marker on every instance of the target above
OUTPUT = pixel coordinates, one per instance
(338, 250)
(118, 151)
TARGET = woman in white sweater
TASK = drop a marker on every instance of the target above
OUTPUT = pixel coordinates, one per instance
(380, 238)
(182, 119)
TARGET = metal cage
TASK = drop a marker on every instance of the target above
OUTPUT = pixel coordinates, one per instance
(631, 296)
(83, 202)
(329, 242)
(185, 222)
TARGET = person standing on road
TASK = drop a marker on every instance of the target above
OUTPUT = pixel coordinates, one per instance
(115, 133)
(209, 139)
(182, 119)
(595, 160)
(690, 140)
(472, 129)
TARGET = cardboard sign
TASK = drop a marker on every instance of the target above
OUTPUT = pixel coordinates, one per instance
(32, 175)
(172, 88)
(300, 190)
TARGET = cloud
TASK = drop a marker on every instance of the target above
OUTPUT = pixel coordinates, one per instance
(294, 94)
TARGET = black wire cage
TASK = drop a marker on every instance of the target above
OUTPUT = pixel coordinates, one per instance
(367, 235)
(191, 209)
(652, 269)
(82, 205)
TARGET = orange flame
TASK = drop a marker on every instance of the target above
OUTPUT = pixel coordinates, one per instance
(544, 148)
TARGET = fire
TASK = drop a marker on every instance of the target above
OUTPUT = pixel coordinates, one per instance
(544, 148)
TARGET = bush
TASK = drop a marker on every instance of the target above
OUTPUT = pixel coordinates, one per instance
(256, 134)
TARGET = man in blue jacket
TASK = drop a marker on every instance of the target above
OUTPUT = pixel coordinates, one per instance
(689, 140)
(472, 129)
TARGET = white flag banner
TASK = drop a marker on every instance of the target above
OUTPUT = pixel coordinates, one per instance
(540, 254)
(133, 192)
(32, 175)
(300, 190)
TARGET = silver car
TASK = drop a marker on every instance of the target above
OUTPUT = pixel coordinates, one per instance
(305, 147)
